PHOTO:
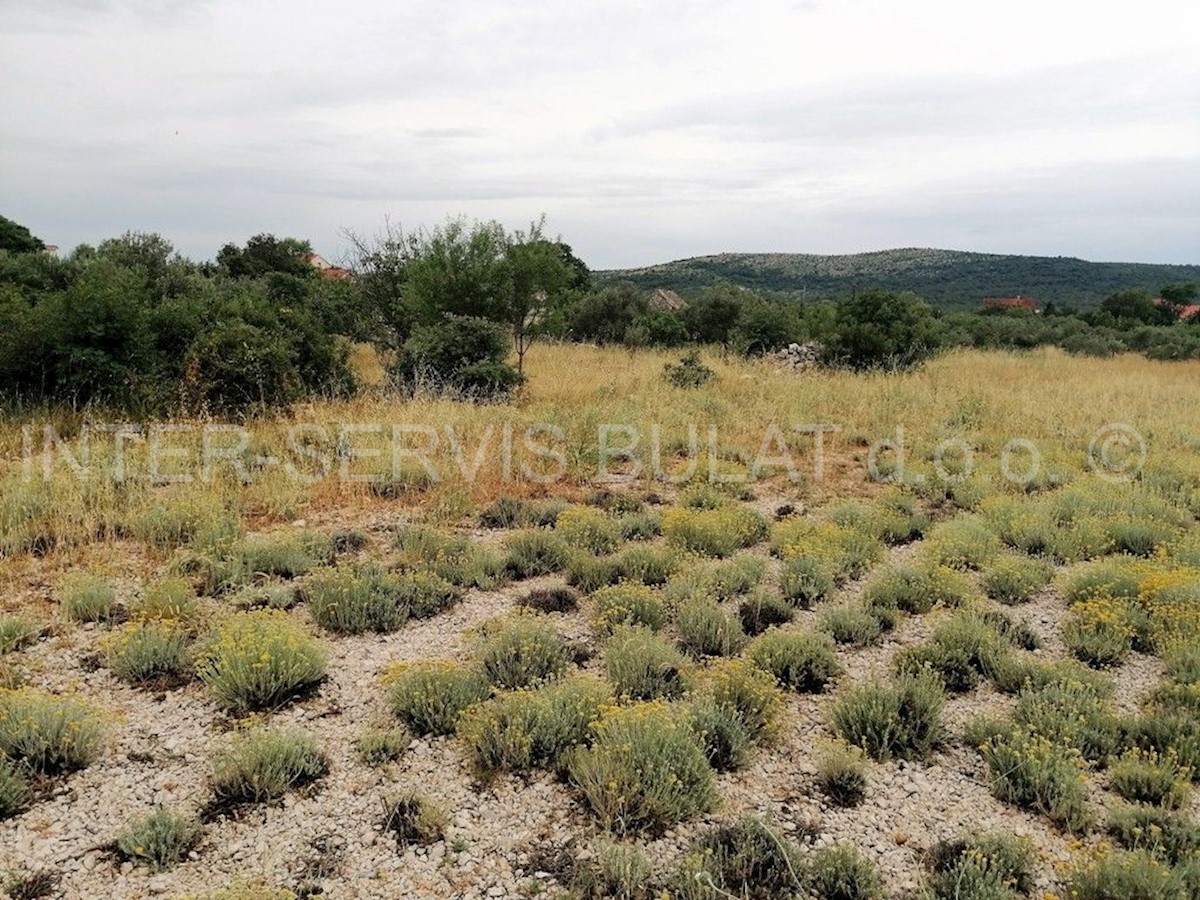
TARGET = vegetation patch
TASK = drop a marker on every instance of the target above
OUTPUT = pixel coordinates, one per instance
(900, 717)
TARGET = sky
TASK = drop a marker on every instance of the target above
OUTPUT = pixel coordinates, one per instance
(643, 131)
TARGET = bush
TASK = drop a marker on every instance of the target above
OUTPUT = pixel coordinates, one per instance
(642, 666)
(640, 526)
(644, 771)
(857, 626)
(799, 661)
(18, 632)
(981, 867)
(87, 598)
(1072, 714)
(358, 598)
(452, 558)
(589, 528)
(14, 788)
(413, 821)
(963, 543)
(721, 580)
(260, 661)
(171, 599)
(962, 651)
(897, 718)
(1171, 836)
(1013, 580)
(521, 651)
(144, 652)
(460, 354)
(840, 872)
(282, 555)
(1142, 776)
(161, 839)
(716, 532)
(745, 859)
(627, 604)
(590, 573)
(878, 329)
(747, 693)
(708, 629)
(804, 581)
(916, 591)
(689, 372)
(430, 696)
(842, 551)
(615, 871)
(1099, 633)
(1125, 875)
(265, 596)
(505, 512)
(535, 552)
(426, 594)
(842, 774)
(522, 730)
(1108, 579)
(378, 746)
(263, 764)
(722, 736)
(46, 734)
(550, 600)
(649, 565)
(762, 610)
(1036, 774)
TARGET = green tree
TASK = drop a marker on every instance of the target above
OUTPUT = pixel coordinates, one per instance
(606, 316)
(1134, 305)
(264, 254)
(17, 238)
(713, 316)
(882, 329)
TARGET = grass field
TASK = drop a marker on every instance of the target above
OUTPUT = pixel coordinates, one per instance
(813, 634)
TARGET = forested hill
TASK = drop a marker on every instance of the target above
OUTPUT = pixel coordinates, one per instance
(950, 279)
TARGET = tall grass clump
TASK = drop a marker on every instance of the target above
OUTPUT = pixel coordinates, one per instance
(85, 597)
(259, 660)
(799, 661)
(1035, 773)
(263, 764)
(430, 696)
(48, 734)
(627, 604)
(161, 839)
(643, 666)
(643, 771)
(14, 788)
(413, 820)
(748, 858)
(18, 632)
(521, 651)
(719, 532)
(708, 629)
(357, 598)
(900, 717)
(149, 652)
(589, 529)
(857, 625)
(1011, 579)
(535, 552)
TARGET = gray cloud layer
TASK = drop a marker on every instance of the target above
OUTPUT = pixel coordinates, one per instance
(644, 131)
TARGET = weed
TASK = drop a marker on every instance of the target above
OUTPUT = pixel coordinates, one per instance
(897, 718)
(18, 632)
(802, 662)
(1125, 875)
(14, 788)
(643, 666)
(376, 747)
(263, 764)
(550, 600)
(724, 739)
(161, 839)
(842, 774)
(430, 696)
(413, 821)
(48, 734)
(521, 651)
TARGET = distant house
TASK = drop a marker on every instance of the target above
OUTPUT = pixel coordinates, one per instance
(1011, 303)
(50, 249)
(324, 267)
(1184, 312)
(666, 300)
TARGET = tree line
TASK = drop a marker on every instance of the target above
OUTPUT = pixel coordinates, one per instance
(133, 325)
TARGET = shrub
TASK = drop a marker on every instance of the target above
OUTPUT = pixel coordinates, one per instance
(981, 867)
(1109, 579)
(260, 661)
(1168, 731)
(897, 718)
(716, 532)
(48, 735)
(14, 788)
(1171, 836)
(463, 355)
(627, 604)
(840, 872)
(143, 652)
(1013, 580)
(963, 543)
(535, 552)
(962, 651)
(644, 770)
(589, 528)
(721, 580)
(426, 594)
(642, 666)
(842, 774)
(761, 610)
(18, 632)
(804, 581)
(286, 554)
(84, 597)
(430, 696)
(1098, 632)
(917, 591)
(748, 693)
(505, 512)
(263, 764)
(799, 661)
(452, 558)
(161, 839)
(615, 871)
(265, 596)
(521, 651)
(1072, 714)
(413, 821)
(748, 858)
(1037, 774)
(551, 600)
(843, 552)
(649, 565)
(357, 598)
(1142, 776)
(171, 599)
(640, 526)
(720, 732)
(1125, 875)
(378, 746)
(708, 629)
(689, 372)
(855, 625)
(522, 730)
(590, 573)
(1181, 660)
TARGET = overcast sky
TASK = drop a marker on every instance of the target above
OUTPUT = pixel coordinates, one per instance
(645, 131)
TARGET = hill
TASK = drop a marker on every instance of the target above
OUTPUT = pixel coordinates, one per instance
(950, 279)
